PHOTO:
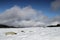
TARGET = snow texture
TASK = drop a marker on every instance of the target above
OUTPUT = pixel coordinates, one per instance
(37, 33)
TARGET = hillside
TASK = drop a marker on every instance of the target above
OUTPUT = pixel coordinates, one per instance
(6, 26)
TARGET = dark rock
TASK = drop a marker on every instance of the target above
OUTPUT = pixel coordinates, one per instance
(6, 26)
(22, 31)
(58, 25)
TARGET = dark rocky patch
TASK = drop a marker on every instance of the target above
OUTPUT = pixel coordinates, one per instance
(6, 26)
(58, 25)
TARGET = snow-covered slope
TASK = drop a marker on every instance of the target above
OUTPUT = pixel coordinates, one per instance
(37, 33)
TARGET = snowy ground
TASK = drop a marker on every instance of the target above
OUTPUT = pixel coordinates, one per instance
(31, 33)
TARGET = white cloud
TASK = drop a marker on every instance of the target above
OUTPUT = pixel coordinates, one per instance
(16, 15)
(55, 4)
(25, 17)
(55, 20)
(31, 23)
(16, 11)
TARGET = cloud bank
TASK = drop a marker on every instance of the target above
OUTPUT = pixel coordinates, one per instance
(26, 17)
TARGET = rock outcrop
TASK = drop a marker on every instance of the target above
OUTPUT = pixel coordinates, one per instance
(58, 25)
(6, 26)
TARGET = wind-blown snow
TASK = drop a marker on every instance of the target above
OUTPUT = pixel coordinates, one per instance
(31, 33)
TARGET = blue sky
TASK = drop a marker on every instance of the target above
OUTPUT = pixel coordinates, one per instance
(43, 5)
